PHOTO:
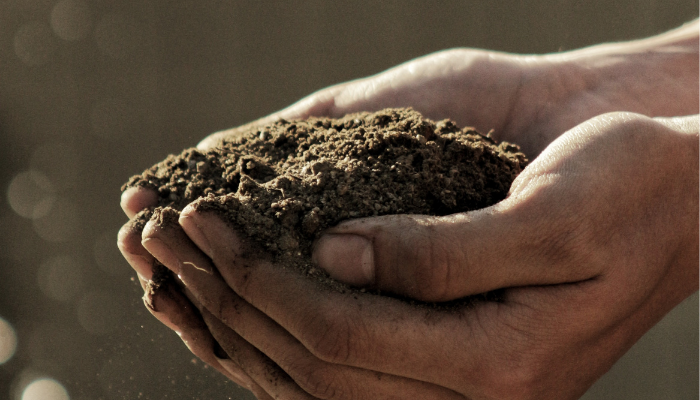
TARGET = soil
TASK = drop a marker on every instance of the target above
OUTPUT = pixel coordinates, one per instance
(283, 184)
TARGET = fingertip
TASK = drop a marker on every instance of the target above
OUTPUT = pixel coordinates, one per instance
(135, 199)
(150, 230)
(125, 232)
(191, 216)
(188, 212)
(346, 257)
(161, 308)
(129, 243)
(189, 221)
(212, 234)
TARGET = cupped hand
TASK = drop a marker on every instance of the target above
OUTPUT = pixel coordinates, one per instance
(597, 241)
(527, 99)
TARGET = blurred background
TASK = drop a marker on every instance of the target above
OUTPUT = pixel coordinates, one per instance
(92, 92)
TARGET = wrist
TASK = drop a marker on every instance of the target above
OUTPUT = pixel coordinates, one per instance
(683, 156)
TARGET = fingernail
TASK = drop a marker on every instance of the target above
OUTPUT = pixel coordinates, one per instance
(194, 231)
(136, 199)
(347, 258)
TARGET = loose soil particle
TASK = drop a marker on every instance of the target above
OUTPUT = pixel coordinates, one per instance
(284, 184)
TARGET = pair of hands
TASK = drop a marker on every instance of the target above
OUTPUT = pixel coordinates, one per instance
(597, 240)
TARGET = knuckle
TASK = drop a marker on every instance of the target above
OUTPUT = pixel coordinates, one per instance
(339, 335)
(432, 270)
(430, 277)
(417, 264)
(319, 381)
(328, 338)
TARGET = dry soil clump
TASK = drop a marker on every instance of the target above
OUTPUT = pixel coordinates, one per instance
(283, 184)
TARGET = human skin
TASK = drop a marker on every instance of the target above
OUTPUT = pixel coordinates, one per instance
(597, 240)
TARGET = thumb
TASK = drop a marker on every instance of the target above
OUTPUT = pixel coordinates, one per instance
(421, 257)
(445, 258)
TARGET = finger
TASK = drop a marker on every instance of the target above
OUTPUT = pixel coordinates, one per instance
(530, 238)
(483, 350)
(269, 377)
(166, 303)
(170, 307)
(235, 369)
(267, 374)
(446, 258)
(319, 378)
(129, 243)
(135, 199)
(259, 392)
(354, 329)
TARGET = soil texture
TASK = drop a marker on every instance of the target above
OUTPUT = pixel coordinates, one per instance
(282, 185)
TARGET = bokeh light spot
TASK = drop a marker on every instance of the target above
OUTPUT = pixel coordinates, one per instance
(71, 19)
(61, 224)
(60, 278)
(31, 194)
(118, 36)
(45, 389)
(34, 43)
(8, 341)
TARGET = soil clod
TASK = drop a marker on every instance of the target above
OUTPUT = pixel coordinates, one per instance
(282, 185)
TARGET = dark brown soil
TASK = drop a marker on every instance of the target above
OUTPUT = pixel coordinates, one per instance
(282, 185)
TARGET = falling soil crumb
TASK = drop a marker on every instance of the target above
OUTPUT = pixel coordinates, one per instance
(284, 184)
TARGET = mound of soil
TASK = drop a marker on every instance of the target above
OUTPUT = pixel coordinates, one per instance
(283, 184)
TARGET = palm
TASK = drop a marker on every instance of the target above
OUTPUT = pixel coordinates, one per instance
(528, 100)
